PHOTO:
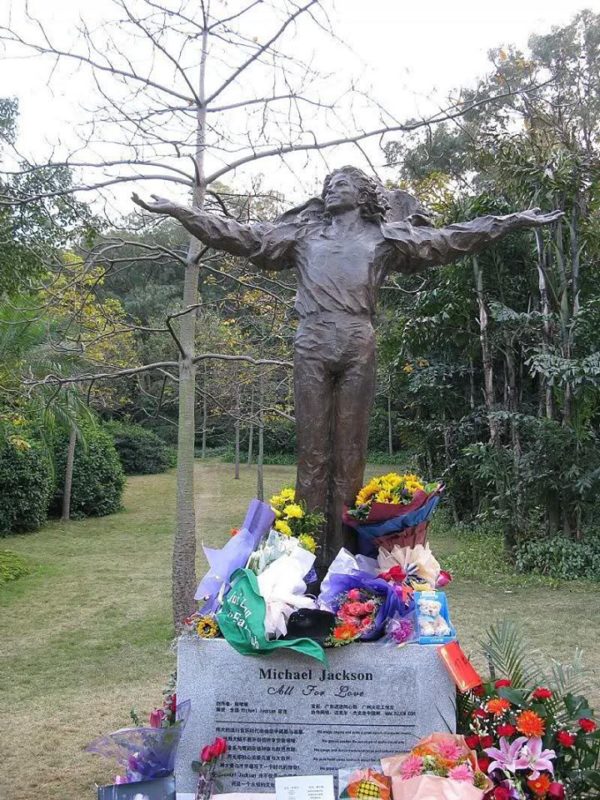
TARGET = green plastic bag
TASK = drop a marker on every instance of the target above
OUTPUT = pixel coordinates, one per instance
(242, 621)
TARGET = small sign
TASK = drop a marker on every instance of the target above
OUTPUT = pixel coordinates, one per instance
(158, 789)
(305, 787)
(459, 667)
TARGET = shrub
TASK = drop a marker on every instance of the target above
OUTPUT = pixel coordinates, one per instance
(98, 478)
(12, 567)
(141, 451)
(25, 484)
(560, 557)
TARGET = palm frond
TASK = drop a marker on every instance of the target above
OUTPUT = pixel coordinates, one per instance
(509, 656)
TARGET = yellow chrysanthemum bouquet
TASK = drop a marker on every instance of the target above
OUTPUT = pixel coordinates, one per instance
(292, 519)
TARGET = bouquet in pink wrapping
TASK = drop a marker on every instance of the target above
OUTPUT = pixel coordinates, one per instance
(440, 767)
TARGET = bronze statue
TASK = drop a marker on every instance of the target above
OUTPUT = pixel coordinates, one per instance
(342, 246)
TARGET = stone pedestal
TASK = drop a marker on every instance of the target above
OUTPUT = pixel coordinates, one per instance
(286, 714)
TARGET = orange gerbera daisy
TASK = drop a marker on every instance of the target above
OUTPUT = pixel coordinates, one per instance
(530, 724)
(345, 632)
(540, 785)
(497, 706)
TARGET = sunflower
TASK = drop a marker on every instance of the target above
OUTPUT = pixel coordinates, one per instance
(385, 496)
(530, 724)
(206, 627)
(366, 493)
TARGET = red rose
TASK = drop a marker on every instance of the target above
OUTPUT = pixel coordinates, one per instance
(502, 682)
(479, 712)
(501, 793)
(505, 730)
(483, 763)
(486, 741)
(556, 791)
(173, 704)
(542, 694)
(565, 738)
(206, 754)
(219, 747)
(478, 691)
(472, 742)
(587, 725)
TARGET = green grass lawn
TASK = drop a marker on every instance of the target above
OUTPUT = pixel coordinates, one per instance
(87, 635)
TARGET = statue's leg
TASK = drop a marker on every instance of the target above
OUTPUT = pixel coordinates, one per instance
(313, 393)
(354, 395)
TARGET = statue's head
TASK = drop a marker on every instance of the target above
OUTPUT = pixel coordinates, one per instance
(349, 187)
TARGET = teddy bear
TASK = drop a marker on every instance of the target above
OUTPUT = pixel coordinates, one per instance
(431, 622)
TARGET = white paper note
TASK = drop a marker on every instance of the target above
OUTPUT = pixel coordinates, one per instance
(305, 787)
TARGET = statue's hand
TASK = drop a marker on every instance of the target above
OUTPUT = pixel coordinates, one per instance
(533, 218)
(160, 205)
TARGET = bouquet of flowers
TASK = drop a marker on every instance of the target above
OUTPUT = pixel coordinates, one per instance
(392, 509)
(149, 752)
(292, 519)
(356, 615)
(389, 490)
(440, 767)
(361, 601)
(536, 742)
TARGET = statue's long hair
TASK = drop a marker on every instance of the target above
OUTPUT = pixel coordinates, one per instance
(372, 202)
(377, 204)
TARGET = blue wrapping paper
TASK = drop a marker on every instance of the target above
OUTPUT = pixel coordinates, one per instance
(224, 562)
(373, 530)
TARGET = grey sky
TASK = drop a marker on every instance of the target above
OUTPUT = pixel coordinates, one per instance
(411, 54)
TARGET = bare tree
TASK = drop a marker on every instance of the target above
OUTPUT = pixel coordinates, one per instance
(187, 93)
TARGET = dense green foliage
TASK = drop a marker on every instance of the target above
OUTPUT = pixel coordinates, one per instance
(559, 557)
(141, 451)
(12, 567)
(98, 478)
(25, 483)
(492, 362)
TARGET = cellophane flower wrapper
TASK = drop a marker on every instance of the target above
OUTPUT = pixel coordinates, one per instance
(224, 562)
(283, 589)
(144, 753)
(418, 562)
(364, 783)
(336, 583)
(401, 630)
(432, 787)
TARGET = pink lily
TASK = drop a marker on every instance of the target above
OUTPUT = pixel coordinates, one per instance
(534, 758)
(506, 757)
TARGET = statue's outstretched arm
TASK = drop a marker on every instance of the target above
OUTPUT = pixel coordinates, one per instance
(421, 247)
(212, 230)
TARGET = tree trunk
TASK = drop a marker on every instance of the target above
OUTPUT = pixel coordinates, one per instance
(260, 479)
(486, 354)
(237, 436)
(184, 545)
(66, 504)
(545, 309)
(390, 432)
(251, 429)
(204, 411)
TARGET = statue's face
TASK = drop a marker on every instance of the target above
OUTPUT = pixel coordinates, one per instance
(341, 194)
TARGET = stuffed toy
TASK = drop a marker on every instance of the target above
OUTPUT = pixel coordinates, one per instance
(431, 622)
